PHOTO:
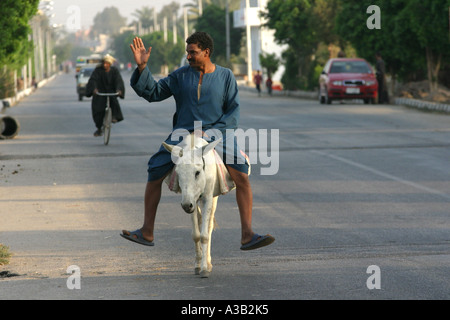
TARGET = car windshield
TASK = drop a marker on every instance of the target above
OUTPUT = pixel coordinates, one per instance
(350, 67)
(86, 73)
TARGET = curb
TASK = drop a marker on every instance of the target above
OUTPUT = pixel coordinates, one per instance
(313, 95)
(419, 104)
(11, 101)
(414, 103)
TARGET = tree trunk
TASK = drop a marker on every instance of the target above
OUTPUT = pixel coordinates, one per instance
(433, 67)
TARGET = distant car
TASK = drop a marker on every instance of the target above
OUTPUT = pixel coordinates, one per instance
(82, 80)
(347, 78)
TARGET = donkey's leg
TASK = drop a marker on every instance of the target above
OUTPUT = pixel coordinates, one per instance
(205, 236)
(196, 216)
(210, 230)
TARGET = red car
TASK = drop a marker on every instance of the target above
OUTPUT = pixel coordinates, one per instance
(348, 78)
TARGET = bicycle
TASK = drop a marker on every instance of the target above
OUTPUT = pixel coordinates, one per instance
(107, 119)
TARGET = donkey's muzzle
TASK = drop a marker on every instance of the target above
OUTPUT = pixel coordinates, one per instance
(188, 207)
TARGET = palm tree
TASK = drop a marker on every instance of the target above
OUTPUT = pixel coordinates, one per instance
(145, 16)
(194, 8)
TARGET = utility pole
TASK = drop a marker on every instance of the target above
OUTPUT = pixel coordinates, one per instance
(174, 28)
(165, 28)
(249, 41)
(186, 31)
(227, 31)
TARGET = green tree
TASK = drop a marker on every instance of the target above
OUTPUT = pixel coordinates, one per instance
(168, 11)
(121, 46)
(413, 38)
(163, 53)
(428, 21)
(302, 25)
(109, 21)
(396, 44)
(14, 24)
(213, 22)
(63, 51)
(145, 16)
(270, 62)
(15, 48)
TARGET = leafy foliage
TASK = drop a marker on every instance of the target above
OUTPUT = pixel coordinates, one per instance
(302, 25)
(109, 21)
(270, 62)
(413, 39)
(14, 24)
(213, 22)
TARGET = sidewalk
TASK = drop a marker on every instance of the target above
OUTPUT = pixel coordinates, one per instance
(313, 95)
(11, 101)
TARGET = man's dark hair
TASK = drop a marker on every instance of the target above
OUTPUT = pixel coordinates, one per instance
(202, 40)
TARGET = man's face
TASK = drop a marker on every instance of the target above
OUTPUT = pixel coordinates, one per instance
(196, 56)
(106, 65)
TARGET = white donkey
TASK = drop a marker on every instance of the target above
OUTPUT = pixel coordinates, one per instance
(196, 172)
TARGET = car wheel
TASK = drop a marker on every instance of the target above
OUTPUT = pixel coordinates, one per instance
(80, 97)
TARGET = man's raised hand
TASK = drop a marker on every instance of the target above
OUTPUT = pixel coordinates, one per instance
(141, 55)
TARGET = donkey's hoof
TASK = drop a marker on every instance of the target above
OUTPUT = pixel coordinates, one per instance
(197, 271)
(205, 274)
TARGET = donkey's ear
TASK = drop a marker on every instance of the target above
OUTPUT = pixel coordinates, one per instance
(210, 146)
(168, 147)
(175, 150)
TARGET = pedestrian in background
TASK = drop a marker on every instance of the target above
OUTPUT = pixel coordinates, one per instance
(257, 79)
(269, 85)
(381, 78)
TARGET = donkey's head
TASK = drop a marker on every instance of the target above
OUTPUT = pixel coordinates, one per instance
(191, 168)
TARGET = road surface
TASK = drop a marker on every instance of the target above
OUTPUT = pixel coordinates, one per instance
(357, 197)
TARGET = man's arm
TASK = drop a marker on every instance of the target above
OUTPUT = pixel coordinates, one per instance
(146, 87)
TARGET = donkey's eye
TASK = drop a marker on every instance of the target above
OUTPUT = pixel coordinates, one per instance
(197, 174)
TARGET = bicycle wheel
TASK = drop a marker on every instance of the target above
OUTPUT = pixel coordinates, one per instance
(107, 125)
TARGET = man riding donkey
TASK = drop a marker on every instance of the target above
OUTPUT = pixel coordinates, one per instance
(204, 92)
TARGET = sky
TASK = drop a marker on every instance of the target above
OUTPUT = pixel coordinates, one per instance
(74, 13)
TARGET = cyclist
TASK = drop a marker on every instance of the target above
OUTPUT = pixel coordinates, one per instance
(105, 79)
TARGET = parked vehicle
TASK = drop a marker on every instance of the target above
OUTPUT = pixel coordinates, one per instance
(82, 80)
(347, 78)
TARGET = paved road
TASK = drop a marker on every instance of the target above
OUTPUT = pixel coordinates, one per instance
(355, 186)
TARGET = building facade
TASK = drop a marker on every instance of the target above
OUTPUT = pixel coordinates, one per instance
(260, 39)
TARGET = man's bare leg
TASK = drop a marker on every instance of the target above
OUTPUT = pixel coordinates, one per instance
(244, 199)
(151, 201)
